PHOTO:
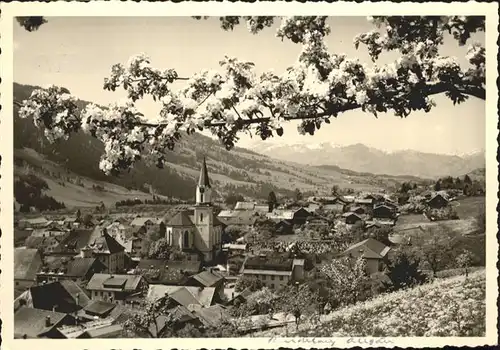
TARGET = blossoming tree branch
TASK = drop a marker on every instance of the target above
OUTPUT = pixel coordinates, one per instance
(233, 100)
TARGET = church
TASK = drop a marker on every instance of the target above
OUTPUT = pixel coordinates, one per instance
(197, 230)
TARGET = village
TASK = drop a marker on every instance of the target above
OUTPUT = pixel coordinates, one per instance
(212, 269)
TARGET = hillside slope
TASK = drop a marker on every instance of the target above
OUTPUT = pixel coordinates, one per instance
(452, 306)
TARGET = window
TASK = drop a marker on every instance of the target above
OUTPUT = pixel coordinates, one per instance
(263, 277)
(186, 239)
(272, 278)
(281, 278)
(201, 216)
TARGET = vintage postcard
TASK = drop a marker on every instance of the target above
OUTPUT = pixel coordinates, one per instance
(214, 175)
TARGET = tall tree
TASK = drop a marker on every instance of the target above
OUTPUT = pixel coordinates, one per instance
(234, 100)
(272, 201)
(464, 261)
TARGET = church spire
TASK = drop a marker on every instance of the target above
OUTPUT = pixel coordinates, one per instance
(204, 181)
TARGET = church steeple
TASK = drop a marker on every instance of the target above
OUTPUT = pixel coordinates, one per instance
(203, 190)
(204, 181)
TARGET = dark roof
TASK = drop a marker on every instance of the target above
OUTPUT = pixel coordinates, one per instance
(74, 266)
(213, 315)
(106, 244)
(207, 278)
(103, 281)
(30, 322)
(272, 262)
(77, 293)
(99, 308)
(27, 262)
(204, 180)
(184, 297)
(111, 331)
(182, 314)
(181, 219)
(369, 248)
(39, 242)
(62, 295)
(241, 217)
(75, 241)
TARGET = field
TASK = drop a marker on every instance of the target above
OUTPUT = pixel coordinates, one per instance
(452, 306)
(71, 194)
(469, 207)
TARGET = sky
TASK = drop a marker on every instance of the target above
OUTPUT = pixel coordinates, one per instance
(78, 52)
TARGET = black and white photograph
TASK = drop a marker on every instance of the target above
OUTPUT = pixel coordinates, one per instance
(266, 177)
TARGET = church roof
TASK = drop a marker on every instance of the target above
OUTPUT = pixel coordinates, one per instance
(180, 219)
(204, 181)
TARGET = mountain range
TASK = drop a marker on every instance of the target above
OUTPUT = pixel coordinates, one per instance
(361, 158)
(70, 167)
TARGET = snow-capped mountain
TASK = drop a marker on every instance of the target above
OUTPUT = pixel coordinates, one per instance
(361, 158)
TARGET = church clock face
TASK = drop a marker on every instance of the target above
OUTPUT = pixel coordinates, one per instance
(202, 189)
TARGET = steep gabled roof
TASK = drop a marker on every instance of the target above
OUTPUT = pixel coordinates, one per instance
(27, 262)
(207, 278)
(106, 244)
(204, 180)
(181, 219)
(74, 267)
(369, 248)
(30, 322)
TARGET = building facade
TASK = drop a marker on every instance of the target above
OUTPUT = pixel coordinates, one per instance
(197, 230)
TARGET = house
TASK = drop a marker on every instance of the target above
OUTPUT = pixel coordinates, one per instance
(77, 269)
(149, 224)
(364, 202)
(197, 230)
(108, 251)
(318, 222)
(438, 201)
(139, 245)
(376, 198)
(240, 218)
(358, 210)
(273, 271)
(212, 316)
(245, 206)
(313, 207)
(351, 218)
(379, 223)
(284, 227)
(372, 251)
(63, 296)
(383, 211)
(185, 296)
(227, 214)
(46, 245)
(115, 288)
(117, 228)
(296, 216)
(261, 208)
(104, 332)
(239, 298)
(39, 222)
(208, 279)
(48, 232)
(36, 323)
(27, 262)
(157, 271)
(333, 204)
(236, 248)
